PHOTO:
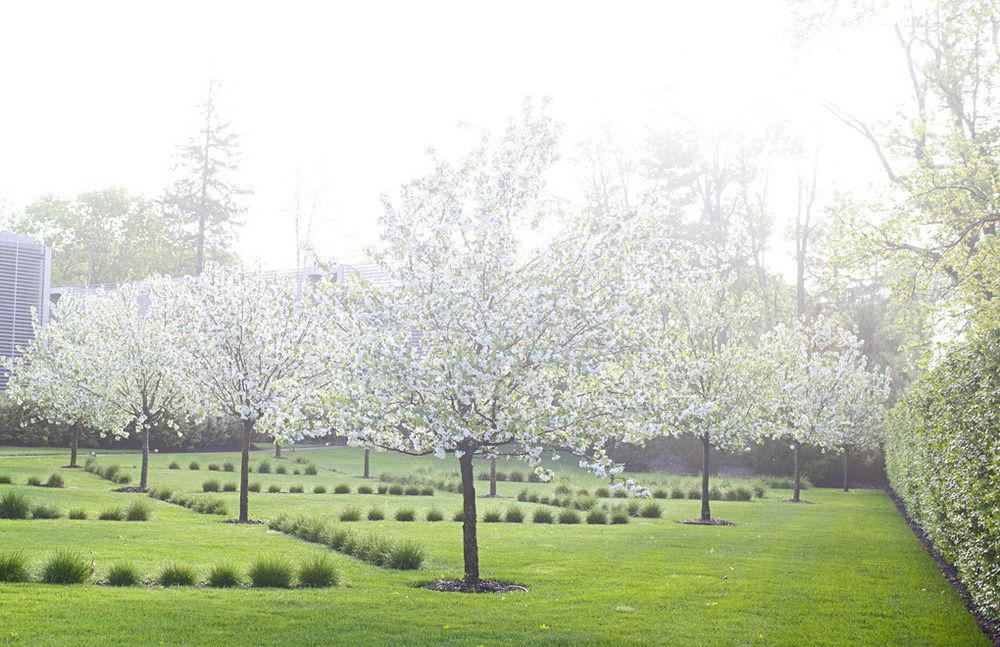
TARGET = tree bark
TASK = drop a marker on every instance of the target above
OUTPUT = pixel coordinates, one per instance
(470, 547)
(493, 476)
(245, 472)
(74, 443)
(795, 454)
(367, 474)
(144, 472)
(706, 511)
(845, 469)
(277, 448)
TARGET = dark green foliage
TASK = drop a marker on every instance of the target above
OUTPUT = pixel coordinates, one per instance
(210, 506)
(296, 489)
(651, 511)
(492, 516)
(501, 476)
(522, 496)
(123, 479)
(317, 572)
(741, 493)
(376, 514)
(161, 494)
(67, 567)
(231, 487)
(55, 480)
(434, 515)
(5, 480)
(319, 489)
(14, 505)
(514, 514)
(274, 488)
(426, 491)
(310, 469)
(597, 516)
(281, 469)
(211, 485)
(633, 508)
(263, 467)
(138, 511)
(342, 488)
(301, 460)
(373, 549)
(271, 572)
(395, 488)
(602, 492)
(228, 467)
(942, 457)
(223, 576)
(45, 512)
(77, 513)
(405, 556)
(194, 465)
(350, 514)
(214, 467)
(516, 477)
(34, 481)
(541, 515)
(405, 514)
(676, 493)
(660, 493)
(382, 489)
(13, 568)
(177, 575)
(122, 574)
(253, 486)
(364, 489)
(563, 489)
(339, 538)
(534, 478)
(412, 490)
(758, 490)
(174, 465)
(459, 515)
(619, 494)
(568, 515)
(619, 517)
(111, 514)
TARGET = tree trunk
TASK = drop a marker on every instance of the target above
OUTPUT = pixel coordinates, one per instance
(493, 476)
(470, 547)
(795, 454)
(245, 471)
(74, 443)
(367, 474)
(144, 472)
(706, 511)
(277, 448)
(845, 469)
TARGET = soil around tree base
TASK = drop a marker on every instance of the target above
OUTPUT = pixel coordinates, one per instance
(131, 490)
(482, 586)
(799, 501)
(70, 467)
(710, 522)
(248, 522)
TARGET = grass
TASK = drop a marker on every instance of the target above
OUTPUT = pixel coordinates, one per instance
(223, 576)
(122, 574)
(318, 571)
(177, 575)
(845, 571)
(13, 567)
(67, 567)
(14, 505)
(271, 572)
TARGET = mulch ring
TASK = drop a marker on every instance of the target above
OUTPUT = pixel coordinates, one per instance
(710, 522)
(248, 522)
(482, 586)
(799, 501)
(70, 467)
(131, 489)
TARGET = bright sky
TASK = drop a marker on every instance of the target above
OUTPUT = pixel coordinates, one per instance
(99, 94)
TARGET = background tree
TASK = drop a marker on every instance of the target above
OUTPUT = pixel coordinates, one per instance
(256, 352)
(203, 203)
(101, 237)
(482, 343)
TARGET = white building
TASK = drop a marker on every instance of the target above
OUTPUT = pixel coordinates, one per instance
(25, 272)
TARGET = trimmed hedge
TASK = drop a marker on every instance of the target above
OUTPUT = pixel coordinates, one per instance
(942, 455)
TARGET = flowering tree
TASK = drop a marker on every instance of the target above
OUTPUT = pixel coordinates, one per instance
(865, 402)
(482, 343)
(253, 349)
(701, 360)
(823, 393)
(54, 371)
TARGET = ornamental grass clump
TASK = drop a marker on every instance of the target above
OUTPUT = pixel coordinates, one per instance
(211, 485)
(405, 514)
(597, 516)
(77, 513)
(281, 469)
(174, 465)
(122, 574)
(459, 515)
(339, 538)
(13, 568)
(350, 514)
(319, 489)
(111, 514)
(263, 467)
(375, 550)
(434, 515)
(619, 517)
(271, 572)
(602, 492)
(318, 572)
(14, 505)
(651, 511)
(676, 493)
(138, 511)
(67, 567)
(296, 489)
(412, 490)
(426, 491)
(342, 488)
(382, 489)
(177, 575)
(55, 480)
(541, 515)
(741, 493)
(514, 514)
(194, 465)
(274, 488)
(223, 576)
(492, 516)
(253, 487)
(364, 489)
(34, 481)
(310, 469)
(395, 488)
(230, 487)
(405, 556)
(568, 515)
(214, 467)
(6, 480)
(375, 514)
(45, 512)
(660, 493)
(228, 467)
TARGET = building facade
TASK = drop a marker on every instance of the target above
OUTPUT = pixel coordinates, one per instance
(25, 271)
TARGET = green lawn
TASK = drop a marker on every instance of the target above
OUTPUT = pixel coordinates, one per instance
(843, 571)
